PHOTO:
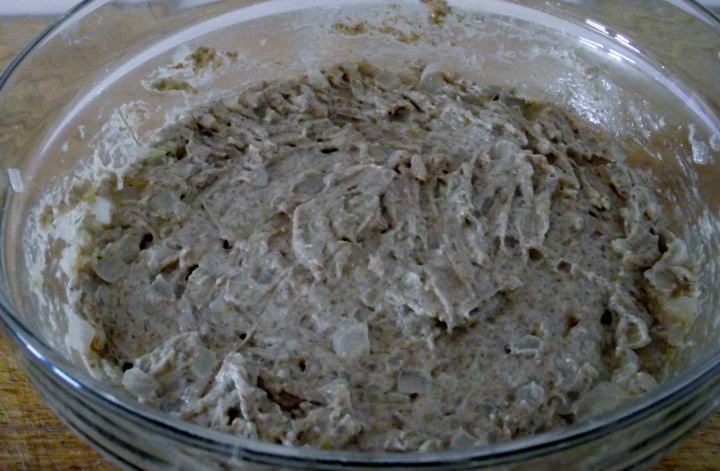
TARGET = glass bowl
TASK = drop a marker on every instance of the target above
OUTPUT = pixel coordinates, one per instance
(645, 71)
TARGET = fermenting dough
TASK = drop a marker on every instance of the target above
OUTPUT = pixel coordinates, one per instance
(365, 260)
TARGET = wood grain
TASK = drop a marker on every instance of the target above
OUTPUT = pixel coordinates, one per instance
(32, 437)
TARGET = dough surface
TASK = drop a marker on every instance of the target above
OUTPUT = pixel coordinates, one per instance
(367, 260)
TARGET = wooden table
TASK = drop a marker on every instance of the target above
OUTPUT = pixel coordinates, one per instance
(32, 438)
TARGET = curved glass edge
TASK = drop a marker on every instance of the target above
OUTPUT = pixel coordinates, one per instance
(54, 25)
(143, 441)
(531, 447)
(704, 10)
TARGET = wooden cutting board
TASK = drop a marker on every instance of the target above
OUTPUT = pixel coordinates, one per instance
(32, 438)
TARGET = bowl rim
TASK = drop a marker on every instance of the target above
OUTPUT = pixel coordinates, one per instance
(534, 446)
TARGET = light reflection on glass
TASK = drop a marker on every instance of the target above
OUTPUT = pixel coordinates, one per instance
(34, 351)
(604, 30)
(591, 43)
(618, 56)
(626, 42)
(597, 26)
(67, 378)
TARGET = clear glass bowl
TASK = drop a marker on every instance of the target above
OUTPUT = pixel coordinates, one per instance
(646, 71)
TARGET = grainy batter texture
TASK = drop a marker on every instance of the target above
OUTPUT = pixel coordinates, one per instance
(367, 260)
